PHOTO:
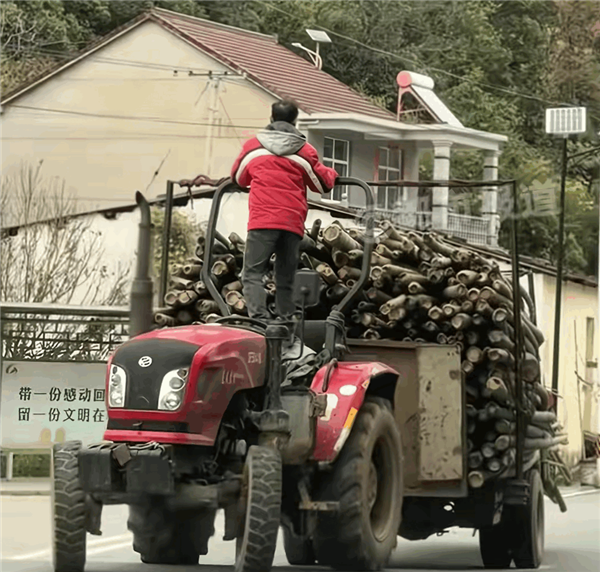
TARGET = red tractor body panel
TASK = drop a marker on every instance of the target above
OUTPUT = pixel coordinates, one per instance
(227, 360)
(346, 391)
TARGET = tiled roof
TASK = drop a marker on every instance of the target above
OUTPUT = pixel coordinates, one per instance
(263, 60)
(271, 65)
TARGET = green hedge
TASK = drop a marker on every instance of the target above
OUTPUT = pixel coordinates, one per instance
(28, 465)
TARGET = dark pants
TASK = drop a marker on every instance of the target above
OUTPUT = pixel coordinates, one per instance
(260, 246)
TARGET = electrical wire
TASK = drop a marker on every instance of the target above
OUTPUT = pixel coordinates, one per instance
(125, 117)
(416, 63)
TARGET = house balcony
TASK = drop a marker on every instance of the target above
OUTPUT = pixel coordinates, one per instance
(473, 229)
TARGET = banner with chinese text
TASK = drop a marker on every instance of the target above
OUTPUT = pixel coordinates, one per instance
(45, 403)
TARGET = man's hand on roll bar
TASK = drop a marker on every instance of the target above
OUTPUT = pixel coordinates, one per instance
(201, 180)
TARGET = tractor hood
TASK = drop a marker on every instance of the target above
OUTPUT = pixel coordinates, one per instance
(210, 359)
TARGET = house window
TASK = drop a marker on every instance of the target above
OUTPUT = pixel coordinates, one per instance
(336, 154)
(389, 169)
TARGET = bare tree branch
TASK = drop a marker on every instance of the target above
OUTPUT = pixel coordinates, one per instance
(58, 260)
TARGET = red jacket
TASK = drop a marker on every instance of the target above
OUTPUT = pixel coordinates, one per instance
(278, 165)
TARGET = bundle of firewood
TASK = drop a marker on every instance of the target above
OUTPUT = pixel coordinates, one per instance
(420, 289)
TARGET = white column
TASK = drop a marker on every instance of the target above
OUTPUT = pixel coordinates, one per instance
(490, 197)
(441, 172)
(410, 172)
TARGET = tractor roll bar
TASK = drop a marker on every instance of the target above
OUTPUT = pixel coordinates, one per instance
(211, 231)
(369, 239)
(211, 234)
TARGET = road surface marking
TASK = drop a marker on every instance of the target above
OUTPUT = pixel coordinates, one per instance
(110, 547)
(91, 545)
(580, 493)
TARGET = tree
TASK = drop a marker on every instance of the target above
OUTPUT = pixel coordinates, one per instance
(59, 261)
(37, 34)
(182, 242)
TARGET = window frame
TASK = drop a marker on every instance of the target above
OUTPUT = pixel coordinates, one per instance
(387, 169)
(339, 192)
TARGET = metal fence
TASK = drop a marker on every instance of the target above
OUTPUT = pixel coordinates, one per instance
(471, 228)
(418, 220)
(40, 332)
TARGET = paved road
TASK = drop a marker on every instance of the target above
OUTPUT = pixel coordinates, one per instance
(572, 543)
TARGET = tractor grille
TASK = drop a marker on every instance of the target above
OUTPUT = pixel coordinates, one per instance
(143, 383)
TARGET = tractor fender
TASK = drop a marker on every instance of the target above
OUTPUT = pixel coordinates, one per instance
(346, 392)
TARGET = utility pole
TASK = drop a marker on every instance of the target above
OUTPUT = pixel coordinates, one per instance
(213, 109)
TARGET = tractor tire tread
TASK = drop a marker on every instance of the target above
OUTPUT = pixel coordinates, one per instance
(264, 506)
(69, 511)
(340, 541)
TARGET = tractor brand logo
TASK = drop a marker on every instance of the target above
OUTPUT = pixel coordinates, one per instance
(231, 378)
(145, 361)
(254, 357)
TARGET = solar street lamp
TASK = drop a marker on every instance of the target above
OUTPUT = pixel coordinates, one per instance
(562, 122)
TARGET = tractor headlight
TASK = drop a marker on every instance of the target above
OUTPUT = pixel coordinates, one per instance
(172, 389)
(117, 383)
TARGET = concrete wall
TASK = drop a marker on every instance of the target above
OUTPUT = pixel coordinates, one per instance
(156, 121)
(578, 406)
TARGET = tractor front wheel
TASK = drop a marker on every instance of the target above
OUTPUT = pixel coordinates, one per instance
(68, 510)
(367, 482)
(259, 510)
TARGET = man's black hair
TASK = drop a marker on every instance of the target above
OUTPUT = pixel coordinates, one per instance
(284, 110)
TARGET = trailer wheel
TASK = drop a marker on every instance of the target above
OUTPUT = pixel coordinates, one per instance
(162, 536)
(259, 510)
(495, 545)
(299, 550)
(528, 526)
(367, 482)
(68, 508)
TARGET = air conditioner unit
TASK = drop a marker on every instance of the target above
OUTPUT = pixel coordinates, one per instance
(565, 120)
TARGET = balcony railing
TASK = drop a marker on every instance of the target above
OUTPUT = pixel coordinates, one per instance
(470, 228)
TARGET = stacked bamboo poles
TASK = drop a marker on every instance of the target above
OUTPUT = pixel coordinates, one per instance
(420, 289)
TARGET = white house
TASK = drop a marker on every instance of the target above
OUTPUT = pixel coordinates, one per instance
(167, 96)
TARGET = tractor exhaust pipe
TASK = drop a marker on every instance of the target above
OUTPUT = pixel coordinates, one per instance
(140, 316)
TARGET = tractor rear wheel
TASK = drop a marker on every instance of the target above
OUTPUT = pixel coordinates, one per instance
(367, 482)
(495, 544)
(68, 509)
(162, 536)
(259, 510)
(528, 526)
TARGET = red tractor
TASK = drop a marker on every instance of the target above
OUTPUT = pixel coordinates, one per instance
(199, 421)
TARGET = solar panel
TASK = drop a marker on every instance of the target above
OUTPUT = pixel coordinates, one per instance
(565, 120)
(319, 36)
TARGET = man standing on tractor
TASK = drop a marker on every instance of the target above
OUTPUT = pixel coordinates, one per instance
(277, 165)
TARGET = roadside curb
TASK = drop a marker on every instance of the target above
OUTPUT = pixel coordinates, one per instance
(24, 493)
(23, 487)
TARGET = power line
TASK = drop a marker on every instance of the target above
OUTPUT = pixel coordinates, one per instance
(113, 61)
(125, 117)
(416, 63)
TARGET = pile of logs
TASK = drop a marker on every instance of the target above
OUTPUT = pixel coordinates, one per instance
(420, 288)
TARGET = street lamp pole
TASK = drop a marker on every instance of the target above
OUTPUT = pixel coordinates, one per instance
(559, 270)
(562, 121)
